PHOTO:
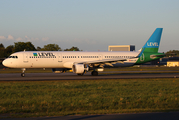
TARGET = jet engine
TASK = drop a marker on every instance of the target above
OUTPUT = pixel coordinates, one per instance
(80, 68)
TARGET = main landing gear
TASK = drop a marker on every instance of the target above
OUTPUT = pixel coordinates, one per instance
(80, 74)
(23, 72)
(94, 73)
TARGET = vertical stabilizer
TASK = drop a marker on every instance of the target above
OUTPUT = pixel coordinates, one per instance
(149, 51)
(152, 45)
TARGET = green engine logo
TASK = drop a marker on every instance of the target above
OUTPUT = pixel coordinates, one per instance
(142, 57)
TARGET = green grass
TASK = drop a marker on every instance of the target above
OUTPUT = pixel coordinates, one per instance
(72, 97)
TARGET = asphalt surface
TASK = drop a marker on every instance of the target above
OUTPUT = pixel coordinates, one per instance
(137, 116)
(87, 76)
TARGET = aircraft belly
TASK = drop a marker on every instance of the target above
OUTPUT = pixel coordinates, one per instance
(125, 64)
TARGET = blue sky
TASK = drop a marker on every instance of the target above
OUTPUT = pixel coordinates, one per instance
(90, 25)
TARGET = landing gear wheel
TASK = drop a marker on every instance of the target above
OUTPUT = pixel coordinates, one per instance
(23, 74)
(94, 73)
(81, 74)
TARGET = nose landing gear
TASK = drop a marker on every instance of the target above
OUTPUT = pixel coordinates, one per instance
(23, 72)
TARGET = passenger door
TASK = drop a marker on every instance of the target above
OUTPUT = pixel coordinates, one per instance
(59, 57)
(100, 57)
(25, 57)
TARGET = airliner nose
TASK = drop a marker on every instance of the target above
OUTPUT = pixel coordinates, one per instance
(5, 62)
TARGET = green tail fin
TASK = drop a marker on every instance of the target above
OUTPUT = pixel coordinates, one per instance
(149, 51)
(152, 45)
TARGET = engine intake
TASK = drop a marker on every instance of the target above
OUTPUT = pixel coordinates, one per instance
(80, 68)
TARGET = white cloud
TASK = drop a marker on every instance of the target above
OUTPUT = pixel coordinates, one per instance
(27, 38)
(2, 37)
(10, 37)
(23, 39)
(19, 39)
(31, 39)
(45, 39)
(34, 39)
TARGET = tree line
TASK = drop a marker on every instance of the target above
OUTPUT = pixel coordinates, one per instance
(28, 46)
(172, 53)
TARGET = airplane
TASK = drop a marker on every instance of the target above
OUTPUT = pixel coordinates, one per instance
(81, 62)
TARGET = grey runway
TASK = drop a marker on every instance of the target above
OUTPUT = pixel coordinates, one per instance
(136, 116)
(87, 76)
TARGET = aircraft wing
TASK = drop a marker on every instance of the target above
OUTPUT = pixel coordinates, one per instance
(108, 61)
(103, 62)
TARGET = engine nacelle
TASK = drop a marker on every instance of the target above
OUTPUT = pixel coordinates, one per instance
(80, 68)
(58, 70)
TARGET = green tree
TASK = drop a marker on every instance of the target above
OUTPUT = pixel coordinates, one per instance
(51, 47)
(2, 51)
(21, 46)
(172, 53)
(9, 50)
(1, 45)
(38, 48)
(73, 49)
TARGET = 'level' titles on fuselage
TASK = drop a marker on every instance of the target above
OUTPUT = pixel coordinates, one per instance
(44, 54)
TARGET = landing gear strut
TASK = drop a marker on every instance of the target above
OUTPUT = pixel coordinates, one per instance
(94, 73)
(23, 72)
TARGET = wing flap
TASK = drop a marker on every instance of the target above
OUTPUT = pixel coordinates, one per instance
(103, 61)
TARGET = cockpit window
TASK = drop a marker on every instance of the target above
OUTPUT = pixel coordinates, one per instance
(13, 57)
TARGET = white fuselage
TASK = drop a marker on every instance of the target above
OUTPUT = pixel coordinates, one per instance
(66, 59)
